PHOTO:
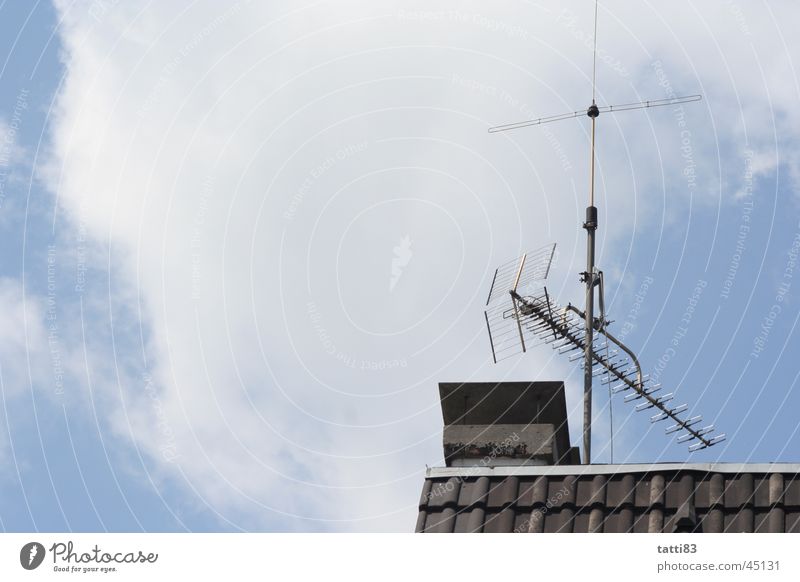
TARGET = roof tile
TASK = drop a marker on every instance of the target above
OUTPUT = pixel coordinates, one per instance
(620, 521)
(640, 522)
(642, 497)
(503, 492)
(702, 489)
(469, 520)
(739, 490)
(791, 487)
(685, 518)
(566, 519)
(500, 522)
(621, 490)
(657, 486)
(583, 492)
(713, 521)
(741, 520)
(598, 490)
(775, 488)
(426, 491)
(777, 520)
(440, 521)
(444, 492)
(761, 491)
(792, 521)
(645, 500)
(473, 492)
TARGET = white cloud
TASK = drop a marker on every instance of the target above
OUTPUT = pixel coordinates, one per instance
(23, 345)
(254, 169)
(13, 157)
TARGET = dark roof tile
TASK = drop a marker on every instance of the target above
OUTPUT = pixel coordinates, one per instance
(739, 490)
(560, 519)
(775, 488)
(557, 521)
(540, 486)
(658, 485)
(716, 490)
(598, 491)
(642, 496)
(583, 492)
(580, 522)
(503, 492)
(655, 521)
(792, 521)
(761, 521)
(469, 520)
(444, 492)
(713, 521)
(761, 491)
(777, 520)
(500, 522)
(473, 492)
(685, 518)
(678, 499)
(640, 521)
(420, 527)
(426, 491)
(791, 487)
(561, 490)
(621, 490)
(674, 494)
(702, 497)
(440, 521)
(742, 520)
(536, 520)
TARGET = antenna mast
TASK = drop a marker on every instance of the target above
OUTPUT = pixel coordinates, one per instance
(589, 275)
(537, 318)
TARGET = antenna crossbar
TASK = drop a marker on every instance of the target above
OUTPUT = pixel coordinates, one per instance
(605, 109)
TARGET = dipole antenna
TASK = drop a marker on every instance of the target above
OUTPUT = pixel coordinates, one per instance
(533, 315)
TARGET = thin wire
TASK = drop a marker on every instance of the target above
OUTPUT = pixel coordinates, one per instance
(610, 405)
(594, 55)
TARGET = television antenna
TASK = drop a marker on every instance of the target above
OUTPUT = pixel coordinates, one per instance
(533, 318)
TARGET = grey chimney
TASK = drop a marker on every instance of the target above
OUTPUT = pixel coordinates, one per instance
(494, 424)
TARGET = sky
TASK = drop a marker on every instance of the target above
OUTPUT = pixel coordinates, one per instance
(243, 242)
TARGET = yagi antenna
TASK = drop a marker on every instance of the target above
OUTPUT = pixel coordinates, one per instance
(528, 317)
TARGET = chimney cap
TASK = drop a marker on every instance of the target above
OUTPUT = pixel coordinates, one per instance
(503, 403)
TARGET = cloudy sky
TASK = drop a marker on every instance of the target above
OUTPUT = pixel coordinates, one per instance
(243, 242)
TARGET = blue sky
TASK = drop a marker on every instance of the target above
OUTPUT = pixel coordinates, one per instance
(208, 324)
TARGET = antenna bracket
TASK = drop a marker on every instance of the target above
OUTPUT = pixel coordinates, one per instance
(591, 218)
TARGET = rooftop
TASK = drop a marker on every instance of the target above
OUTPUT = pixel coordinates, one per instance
(659, 497)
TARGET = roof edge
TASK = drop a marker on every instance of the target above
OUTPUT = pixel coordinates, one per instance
(535, 470)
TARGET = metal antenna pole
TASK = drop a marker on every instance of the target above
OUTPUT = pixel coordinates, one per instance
(591, 226)
(589, 278)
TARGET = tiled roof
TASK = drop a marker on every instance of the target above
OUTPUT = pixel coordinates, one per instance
(613, 498)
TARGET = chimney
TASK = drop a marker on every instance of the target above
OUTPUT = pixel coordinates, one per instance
(496, 424)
